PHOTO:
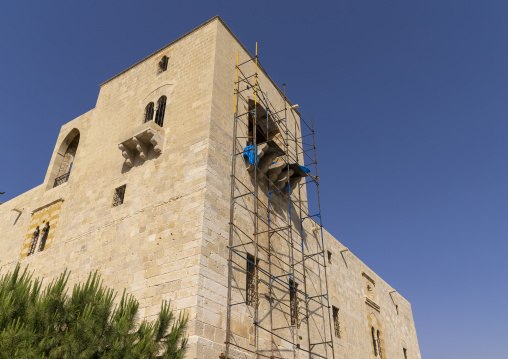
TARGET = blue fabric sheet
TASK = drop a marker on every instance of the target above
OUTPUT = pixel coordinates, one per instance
(249, 153)
(305, 169)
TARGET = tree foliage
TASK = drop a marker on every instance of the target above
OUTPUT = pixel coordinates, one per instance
(50, 323)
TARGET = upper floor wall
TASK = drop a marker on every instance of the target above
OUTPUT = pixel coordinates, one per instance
(163, 155)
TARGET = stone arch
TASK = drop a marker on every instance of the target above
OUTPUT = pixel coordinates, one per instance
(64, 159)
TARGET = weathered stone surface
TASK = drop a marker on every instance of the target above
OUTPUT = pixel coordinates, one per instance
(168, 239)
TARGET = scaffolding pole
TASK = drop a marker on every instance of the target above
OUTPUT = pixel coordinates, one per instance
(273, 249)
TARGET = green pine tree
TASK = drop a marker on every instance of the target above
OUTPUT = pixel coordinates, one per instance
(51, 323)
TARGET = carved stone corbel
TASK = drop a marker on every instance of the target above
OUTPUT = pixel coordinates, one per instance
(156, 141)
(274, 170)
(283, 178)
(143, 139)
(127, 154)
(141, 147)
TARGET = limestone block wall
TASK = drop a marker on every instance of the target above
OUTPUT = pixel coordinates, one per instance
(217, 214)
(348, 284)
(168, 240)
(41, 229)
(349, 293)
(150, 244)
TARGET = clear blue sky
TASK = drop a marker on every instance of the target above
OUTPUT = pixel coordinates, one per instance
(410, 103)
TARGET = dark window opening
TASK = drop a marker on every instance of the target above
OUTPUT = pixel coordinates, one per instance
(251, 287)
(293, 302)
(163, 64)
(44, 237)
(329, 257)
(149, 112)
(336, 323)
(397, 309)
(405, 352)
(266, 129)
(379, 345)
(68, 160)
(161, 108)
(33, 242)
(374, 341)
(119, 195)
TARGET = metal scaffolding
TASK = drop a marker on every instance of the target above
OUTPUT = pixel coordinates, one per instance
(277, 303)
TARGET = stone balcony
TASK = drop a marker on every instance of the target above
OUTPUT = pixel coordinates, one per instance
(145, 140)
(269, 163)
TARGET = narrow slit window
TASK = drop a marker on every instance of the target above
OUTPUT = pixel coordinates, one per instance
(33, 241)
(161, 108)
(44, 237)
(149, 112)
(329, 257)
(404, 350)
(250, 286)
(374, 344)
(163, 64)
(379, 345)
(293, 302)
(119, 195)
(336, 323)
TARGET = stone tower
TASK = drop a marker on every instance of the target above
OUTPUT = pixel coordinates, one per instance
(139, 188)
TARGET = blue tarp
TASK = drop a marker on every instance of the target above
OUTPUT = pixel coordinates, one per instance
(305, 169)
(249, 153)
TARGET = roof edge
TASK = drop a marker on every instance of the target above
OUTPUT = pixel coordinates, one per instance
(216, 17)
(259, 64)
(164, 47)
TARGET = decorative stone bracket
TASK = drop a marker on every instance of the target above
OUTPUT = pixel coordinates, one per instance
(141, 143)
(278, 172)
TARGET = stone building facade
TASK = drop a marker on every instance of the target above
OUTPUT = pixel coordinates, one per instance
(139, 189)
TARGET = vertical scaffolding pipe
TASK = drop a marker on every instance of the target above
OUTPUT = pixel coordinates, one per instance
(256, 209)
(279, 229)
(322, 239)
(302, 238)
(291, 285)
(232, 212)
(269, 253)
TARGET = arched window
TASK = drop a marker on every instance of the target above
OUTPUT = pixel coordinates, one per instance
(149, 112)
(66, 165)
(374, 344)
(33, 242)
(45, 232)
(379, 345)
(161, 108)
(163, 64)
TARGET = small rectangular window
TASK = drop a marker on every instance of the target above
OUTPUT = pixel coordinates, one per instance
(329, 257)
(250, 285)
(163, 64)
(405, 353)
(336, 323)
(119, 195)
